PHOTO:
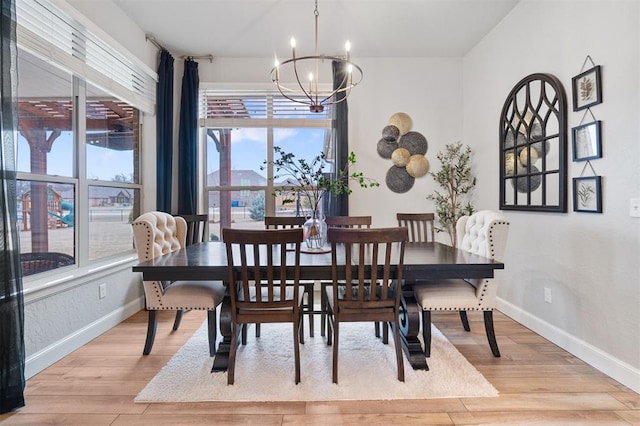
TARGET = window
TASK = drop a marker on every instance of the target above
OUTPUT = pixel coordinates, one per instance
(241, 131)
(50, 157)
(80, 103)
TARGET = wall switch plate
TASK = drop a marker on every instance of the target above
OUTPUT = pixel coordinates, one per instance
(547, 294)
(634, 207)
(102, 290)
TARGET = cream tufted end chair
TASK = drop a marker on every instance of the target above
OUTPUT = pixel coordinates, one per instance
(483, 233)
(158, 233)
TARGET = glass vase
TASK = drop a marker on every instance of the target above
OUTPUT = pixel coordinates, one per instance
(315, 232)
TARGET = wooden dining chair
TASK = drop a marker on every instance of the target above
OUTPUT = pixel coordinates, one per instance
(420, 225)
(196, 233)
(365, 289)
(158, 233)
(348, 221)
(262, 290)
(284, 222)
(196, 227)
(421, 228)
(356, 222)
(484, 233)
(289, 222)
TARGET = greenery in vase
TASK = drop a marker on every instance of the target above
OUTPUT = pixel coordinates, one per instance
(308, 179)
(456, 180)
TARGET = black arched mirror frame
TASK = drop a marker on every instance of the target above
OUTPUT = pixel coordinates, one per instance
(533, 146)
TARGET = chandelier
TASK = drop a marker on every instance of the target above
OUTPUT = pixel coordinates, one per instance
(310, 92)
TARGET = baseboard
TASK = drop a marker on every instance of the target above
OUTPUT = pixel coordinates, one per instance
(58, 350)
(624, 373)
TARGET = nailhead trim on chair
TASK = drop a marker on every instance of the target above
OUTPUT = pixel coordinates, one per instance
(161, 235)
(474, 247)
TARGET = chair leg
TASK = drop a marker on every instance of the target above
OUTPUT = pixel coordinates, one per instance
(323, 308)
(398, 343)
(231, 365)
(377, 328)
(385, 332)
(296, 348)
(152, 325)
(311, 309)
(310, 306)
(491, 335)
(336, 328)
(257, 332)
(465, 321)
(426, 332)
(329, 325)
(178, 320)
(213, 331)
(301, 319)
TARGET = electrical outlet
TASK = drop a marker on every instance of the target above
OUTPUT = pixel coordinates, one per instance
(102, 290)
(547, 294)
(634, 207)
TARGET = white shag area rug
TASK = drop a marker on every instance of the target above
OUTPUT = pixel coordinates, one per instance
(265, 370)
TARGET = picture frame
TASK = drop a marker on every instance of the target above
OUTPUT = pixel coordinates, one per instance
(587, 88)
(586, 141)
(587, 194)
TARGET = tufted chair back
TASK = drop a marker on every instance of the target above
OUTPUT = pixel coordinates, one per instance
(155, 234)
(158, 233)
(484, 233)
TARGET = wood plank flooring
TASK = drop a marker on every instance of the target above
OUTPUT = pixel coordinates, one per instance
(539, 384)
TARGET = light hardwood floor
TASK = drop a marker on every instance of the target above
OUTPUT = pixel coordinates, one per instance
(538, 382)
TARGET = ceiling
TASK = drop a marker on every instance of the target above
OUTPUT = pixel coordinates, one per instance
(263, 28)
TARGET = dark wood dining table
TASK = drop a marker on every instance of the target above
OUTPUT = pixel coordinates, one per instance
(208, 261)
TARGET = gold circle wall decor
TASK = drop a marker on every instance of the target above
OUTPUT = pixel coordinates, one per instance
(402, 121)
(400, 157)
(418, 165)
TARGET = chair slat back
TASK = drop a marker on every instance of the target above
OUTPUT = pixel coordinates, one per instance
(283, 222)
(420, 225)
(368, 256)
(196, 227)
(258, 262)
(348, 221)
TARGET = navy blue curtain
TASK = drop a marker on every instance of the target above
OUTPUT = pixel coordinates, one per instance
(164, 132)
(188, 140)
(340, 129)
(12, 352)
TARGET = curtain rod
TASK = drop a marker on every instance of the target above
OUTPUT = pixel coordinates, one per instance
(154, 41)
(209, 57)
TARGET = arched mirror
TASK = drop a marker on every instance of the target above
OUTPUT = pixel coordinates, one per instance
(533, 146)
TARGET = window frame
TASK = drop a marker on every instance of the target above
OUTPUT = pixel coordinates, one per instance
(269, 123)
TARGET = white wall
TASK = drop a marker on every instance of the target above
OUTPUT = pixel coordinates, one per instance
(589, 261)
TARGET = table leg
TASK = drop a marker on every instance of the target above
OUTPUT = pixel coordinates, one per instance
(410, 328)
(221, 359)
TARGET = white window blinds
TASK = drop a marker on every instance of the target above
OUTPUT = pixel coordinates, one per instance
(50, 33)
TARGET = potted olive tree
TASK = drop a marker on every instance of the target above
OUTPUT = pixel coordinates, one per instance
(456, 180)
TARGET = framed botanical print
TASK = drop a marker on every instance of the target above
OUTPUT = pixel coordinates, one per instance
(586, 141)
(587, 88)
(587, 194)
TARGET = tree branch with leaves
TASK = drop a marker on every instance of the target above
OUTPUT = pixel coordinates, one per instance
(456, 180)
(309, 180)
